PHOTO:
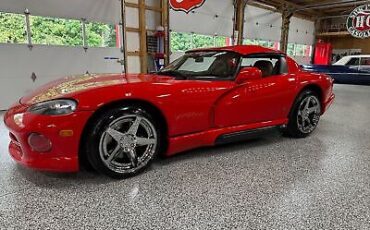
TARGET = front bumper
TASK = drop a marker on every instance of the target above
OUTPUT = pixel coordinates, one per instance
(63, 156)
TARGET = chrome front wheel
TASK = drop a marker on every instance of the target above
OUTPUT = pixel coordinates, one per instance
(128, 144)
(122, 141)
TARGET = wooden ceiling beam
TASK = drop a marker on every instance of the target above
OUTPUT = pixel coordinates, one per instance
(310, 12)
(280, 5)
(344, 8)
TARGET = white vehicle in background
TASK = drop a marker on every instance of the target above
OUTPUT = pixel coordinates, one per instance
(354, 60)
(353, 69)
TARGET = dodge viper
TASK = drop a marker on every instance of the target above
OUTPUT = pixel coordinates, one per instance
(118, 123)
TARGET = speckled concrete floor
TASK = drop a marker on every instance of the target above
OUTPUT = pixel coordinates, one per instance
(320, 182)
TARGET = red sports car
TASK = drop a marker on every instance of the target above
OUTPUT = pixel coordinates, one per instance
(118, 123)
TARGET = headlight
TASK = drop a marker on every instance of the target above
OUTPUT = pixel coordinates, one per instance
(54, 107)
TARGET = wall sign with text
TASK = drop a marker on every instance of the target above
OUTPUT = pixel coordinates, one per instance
(186, 5)
(358, 22)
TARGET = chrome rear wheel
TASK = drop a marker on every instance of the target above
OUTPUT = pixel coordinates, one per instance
(304, 115)
(308, 115)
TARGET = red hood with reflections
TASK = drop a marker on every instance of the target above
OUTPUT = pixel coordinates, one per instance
(69, 86)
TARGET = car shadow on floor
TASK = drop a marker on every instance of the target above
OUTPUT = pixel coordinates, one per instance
(162, 166)
(62, 180)
(206, 152)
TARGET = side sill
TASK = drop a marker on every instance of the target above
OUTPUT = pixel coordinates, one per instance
(244, 135)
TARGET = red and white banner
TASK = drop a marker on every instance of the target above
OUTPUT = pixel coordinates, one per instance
(186, 5)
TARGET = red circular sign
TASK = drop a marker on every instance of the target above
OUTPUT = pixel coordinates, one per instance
(186, 5)
(358, 22)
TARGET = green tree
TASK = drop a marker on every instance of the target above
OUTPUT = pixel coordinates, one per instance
(203, 41)
(185, 41)
(181, 41)
(12, 28)
(55, 31)
(100, 35)
(220, 41)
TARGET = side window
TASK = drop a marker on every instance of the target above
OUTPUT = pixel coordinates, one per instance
(353, 61)
(270, 66)
(365, 61)
(207, 64)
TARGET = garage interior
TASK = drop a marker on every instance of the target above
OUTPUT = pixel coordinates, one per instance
(272, 182)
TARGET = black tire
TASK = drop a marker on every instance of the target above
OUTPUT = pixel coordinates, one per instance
(294, 127)
(98, 133)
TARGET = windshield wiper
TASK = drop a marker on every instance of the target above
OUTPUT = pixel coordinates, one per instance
(173, 73)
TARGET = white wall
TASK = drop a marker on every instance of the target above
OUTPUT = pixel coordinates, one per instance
(48, 63)
(301, 31)
(262, 24)
(259, 24)
(302, 60)
(213, 17)
(266, 25)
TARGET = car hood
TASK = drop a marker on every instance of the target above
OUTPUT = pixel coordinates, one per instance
(69, 86)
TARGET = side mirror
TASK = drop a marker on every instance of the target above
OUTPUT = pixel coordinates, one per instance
(247, 74)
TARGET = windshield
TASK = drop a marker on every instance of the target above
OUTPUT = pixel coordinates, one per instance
(204, 65)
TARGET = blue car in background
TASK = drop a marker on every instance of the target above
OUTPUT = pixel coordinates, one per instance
(354, 69)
